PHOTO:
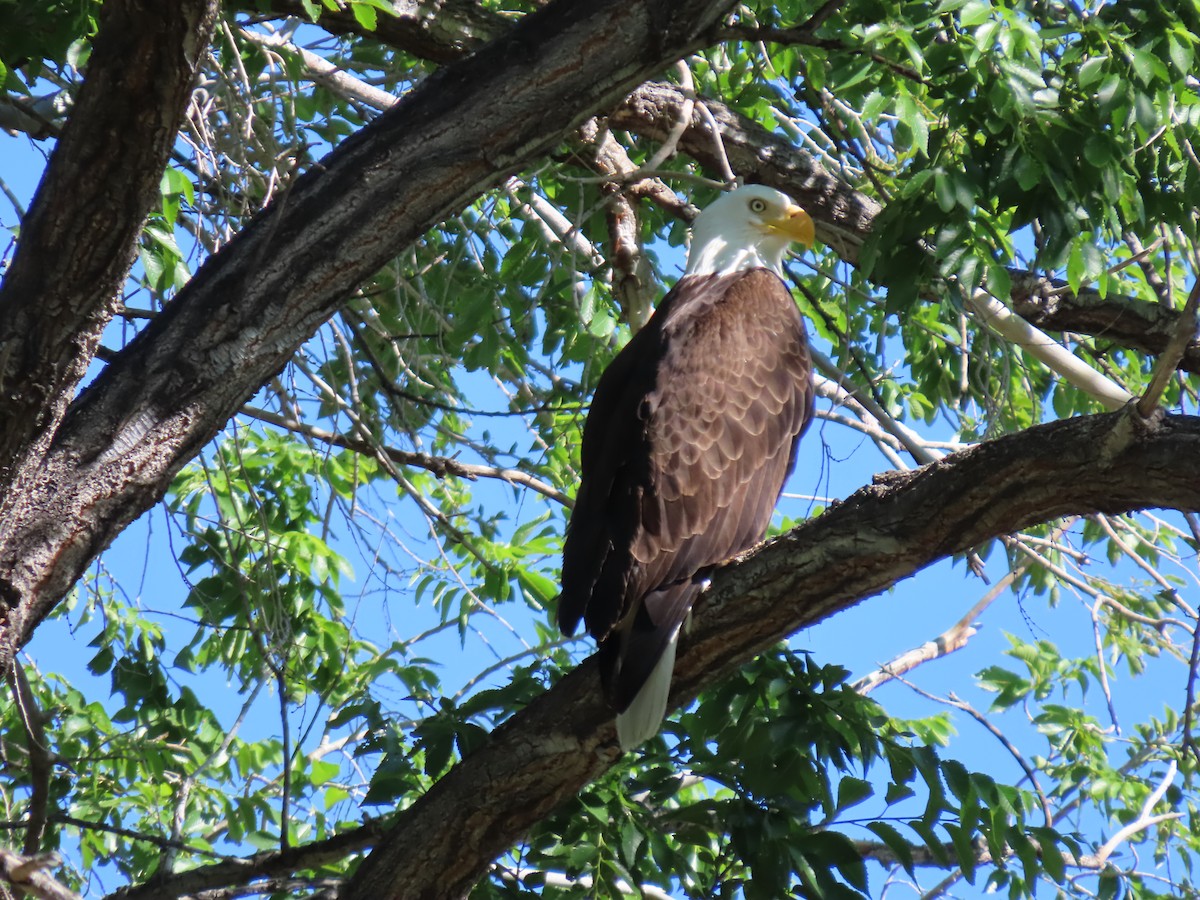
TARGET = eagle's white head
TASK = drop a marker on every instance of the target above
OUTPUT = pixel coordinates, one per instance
(747, 228)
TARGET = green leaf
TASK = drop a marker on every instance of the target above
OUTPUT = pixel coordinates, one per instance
(974, 13)
(1181, 56)
(895, 842)
(852, 791)
(912, 117)
(1050, 855)
(936, 848)
(1091, 71)
(957, 778)
(1147, 66)
(964, 850)
(366, 15)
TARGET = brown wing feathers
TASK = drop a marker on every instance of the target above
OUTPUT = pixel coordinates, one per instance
(689, 439)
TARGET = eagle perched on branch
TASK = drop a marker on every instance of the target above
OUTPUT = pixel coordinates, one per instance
(691, 434)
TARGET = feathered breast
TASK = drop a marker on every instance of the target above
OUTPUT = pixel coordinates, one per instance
(689, 439)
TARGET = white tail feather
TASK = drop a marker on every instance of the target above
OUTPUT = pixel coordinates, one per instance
(642, 719)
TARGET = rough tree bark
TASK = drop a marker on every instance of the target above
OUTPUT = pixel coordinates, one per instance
(79, 237)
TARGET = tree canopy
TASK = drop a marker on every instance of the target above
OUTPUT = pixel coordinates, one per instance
(300, 313)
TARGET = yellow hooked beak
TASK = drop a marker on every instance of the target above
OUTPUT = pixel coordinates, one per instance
(796, 224)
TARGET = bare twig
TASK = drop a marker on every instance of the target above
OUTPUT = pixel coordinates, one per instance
(1144, 819)
(912, 443)
(668, 147)
(1164, 369)
(40, 764)
(710, 120)
(953, 638)
(1101, 665)
(441, 466)
(1141, 255)
(170, 852)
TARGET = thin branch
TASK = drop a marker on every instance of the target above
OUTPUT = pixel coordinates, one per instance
(441, 466)
(1101, 665)
(953, 638)
(1164, 370)
(719, 143)
(155, 840)
(1030, 773)
(241, 870)
(1140, 256)
(167, 863)
(922, 855)
(912, 443)
(995, 315)
(1144, 819)
(41, 766)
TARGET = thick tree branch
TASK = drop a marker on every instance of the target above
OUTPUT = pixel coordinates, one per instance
(271, 864)
(28, 875)
(243, 314)
(844, 218)
(1125, 321)
(441, 31)
(844, 215)
(79, 237)
(886, 532)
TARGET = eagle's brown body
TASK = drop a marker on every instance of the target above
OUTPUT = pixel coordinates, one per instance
(690, 436)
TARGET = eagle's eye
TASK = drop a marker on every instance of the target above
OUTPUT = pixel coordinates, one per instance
(758, 206)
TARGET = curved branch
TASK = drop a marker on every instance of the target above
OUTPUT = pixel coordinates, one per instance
(886, 532)
(845, 213)
(440, 466)
(271, 864)
(845, 216)
(442, 31)
(880, 535)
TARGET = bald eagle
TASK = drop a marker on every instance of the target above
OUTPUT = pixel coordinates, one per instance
(691, 433)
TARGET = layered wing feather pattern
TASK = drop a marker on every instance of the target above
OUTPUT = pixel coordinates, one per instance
(690, 437)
